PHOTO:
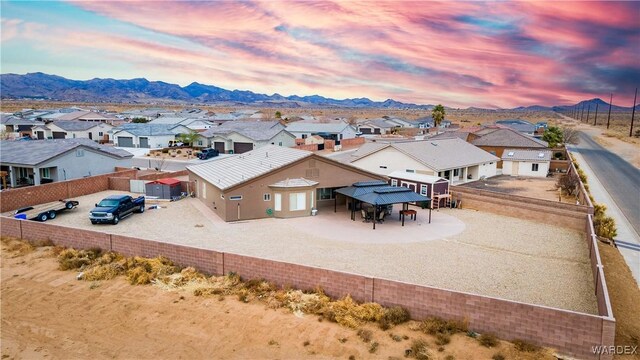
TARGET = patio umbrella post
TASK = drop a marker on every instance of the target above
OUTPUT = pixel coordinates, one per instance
(429, 215)
(375, 216)
(335, 204)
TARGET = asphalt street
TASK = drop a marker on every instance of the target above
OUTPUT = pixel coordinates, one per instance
(620, 178)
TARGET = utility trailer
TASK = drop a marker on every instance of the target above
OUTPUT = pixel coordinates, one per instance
(44, 212)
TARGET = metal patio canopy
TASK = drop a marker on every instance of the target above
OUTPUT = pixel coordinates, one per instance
(379, 193)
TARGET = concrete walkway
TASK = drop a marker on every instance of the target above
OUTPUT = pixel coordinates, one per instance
(628, 240)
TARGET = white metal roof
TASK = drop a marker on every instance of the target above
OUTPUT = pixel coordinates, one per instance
(230, 171)
(526, 155)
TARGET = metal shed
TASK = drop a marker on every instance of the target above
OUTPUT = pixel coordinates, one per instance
(163, 188)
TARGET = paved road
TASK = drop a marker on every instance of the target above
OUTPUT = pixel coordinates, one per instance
(621, 179)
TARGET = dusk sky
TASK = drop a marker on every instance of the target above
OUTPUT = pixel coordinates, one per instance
(488, 54)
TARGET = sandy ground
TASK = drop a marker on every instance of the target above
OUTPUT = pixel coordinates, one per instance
(47, 313)
(625, 298)
(512, 258)
(539, 188)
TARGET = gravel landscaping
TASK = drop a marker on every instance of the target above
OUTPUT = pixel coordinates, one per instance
(463, 250)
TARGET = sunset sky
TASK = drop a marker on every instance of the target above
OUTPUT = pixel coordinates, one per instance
(488, 54)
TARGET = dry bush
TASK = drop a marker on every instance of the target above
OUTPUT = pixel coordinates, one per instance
(443, 338)
(141, 271)
(17, 246)
(525, 346)
(365, 335)
(393, 316)
(435, 325)
(70, 259)
(488, 340)
(420, 350)
(103, 272)
(497, 356)
(348, 313)
(373, 347)
(138, 276)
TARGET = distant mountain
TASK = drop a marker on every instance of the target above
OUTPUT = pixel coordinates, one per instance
(601, 104)
(52, 87)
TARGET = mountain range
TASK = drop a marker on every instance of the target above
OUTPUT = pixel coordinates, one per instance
(52, 87)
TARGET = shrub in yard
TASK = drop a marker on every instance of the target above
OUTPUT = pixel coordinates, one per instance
(420, 350)
(582, 175)
(138, 276)
(349, 313)
(488, 340)
(18, 246)
(434, 325)
(365, 335)
(568, 183)
(178, 151)
(605, 226)
(165, 151)
(497, 356)
(443, 339)
(393, 316)
(525, 346)
(373, 347)
(69, 259)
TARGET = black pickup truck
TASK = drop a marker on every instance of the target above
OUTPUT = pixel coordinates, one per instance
(113, 208)
(208, 154)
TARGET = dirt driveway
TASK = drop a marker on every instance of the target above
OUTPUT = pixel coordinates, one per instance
(533, 187)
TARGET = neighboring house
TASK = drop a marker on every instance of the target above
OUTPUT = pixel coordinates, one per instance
(273, 181)
(518, 162)
(86, 115)
(191, 123)
(97, 131)
(242, 136)
(426, 185)
(147, 114)
(330, 131)
(41, 161)
(519, 125)
(453, 159)
(378, 127)
(17, 127)
(496, 140)
(314, 140)
(146, 135)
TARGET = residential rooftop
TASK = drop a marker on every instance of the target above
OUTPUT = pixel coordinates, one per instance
(35, 152)
(526, 155)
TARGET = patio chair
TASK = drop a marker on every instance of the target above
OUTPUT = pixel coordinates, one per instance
(365, 216)
(381, 216)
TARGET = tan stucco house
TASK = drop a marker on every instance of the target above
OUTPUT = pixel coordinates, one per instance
(273, 181)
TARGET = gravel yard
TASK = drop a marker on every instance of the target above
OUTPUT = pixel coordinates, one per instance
(539, 188)
(462, 250)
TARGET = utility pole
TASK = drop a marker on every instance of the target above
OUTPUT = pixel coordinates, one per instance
(596, 118)
(575, 112)
(609, 117)
(582, 113)
(633, 113)
(588, 111)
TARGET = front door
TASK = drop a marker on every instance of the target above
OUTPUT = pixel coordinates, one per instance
(90, 136)
(40, 135)
(515, 167)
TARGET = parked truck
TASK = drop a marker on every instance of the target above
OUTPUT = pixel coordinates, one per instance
(44, 212)
(115, 207)
(205, 154)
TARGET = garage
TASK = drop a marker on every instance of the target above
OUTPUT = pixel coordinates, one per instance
(58, 134)
(219, 145)
(144, 142)
(240, 147)
(125, 141)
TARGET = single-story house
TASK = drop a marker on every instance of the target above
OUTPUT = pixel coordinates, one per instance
(378, 127)
(192, 123)
(241, 136)
(331, 131)
(146, 135)
(517, 162)
(273, 181)
(86, 115)
(71, 129)
(496, 140)
(40, 161)
(453, 159)
(18, 127)
(519, 125)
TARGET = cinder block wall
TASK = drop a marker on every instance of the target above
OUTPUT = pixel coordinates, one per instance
(570, 333)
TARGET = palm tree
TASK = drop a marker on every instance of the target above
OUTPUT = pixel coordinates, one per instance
(437, 114)
(189, 138)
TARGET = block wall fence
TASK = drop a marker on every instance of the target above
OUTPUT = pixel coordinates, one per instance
(570, 333)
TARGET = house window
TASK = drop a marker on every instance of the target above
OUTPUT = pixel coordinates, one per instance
(304, 136)
(534, 167)
(456, 172)
(382, 167)
(45, 173)
(79, 153)
(326, 194)
(266, 197)
(100, 133)
(277, 202)
(235, 197)
(199, 142)
(280, 143)
(394, 182)
(411, 171)
(492, 153)
(23, 172)
(73, 135)
(297, 201)
(423, 189)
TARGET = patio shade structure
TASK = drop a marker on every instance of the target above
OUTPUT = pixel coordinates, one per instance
(379, 193)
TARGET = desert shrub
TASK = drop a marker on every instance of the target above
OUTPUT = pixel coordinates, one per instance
(165, 151)
(434, 325)
(103, 272)
(138, 276)
(443, 339)
(243, 295)
(525, 346)
(373, 347)
(497, 356)
(449, 357)
(349, 313)
(18, 246)
(70, 259)
(178, 151)
(568, 183)
(488, 340)
(365, 335)
(396, 338)
(605, 226)
(393, 316)
(306, 343)
(582, 176)
(420, 350)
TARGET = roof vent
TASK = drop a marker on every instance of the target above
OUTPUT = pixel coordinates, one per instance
(511, 153)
